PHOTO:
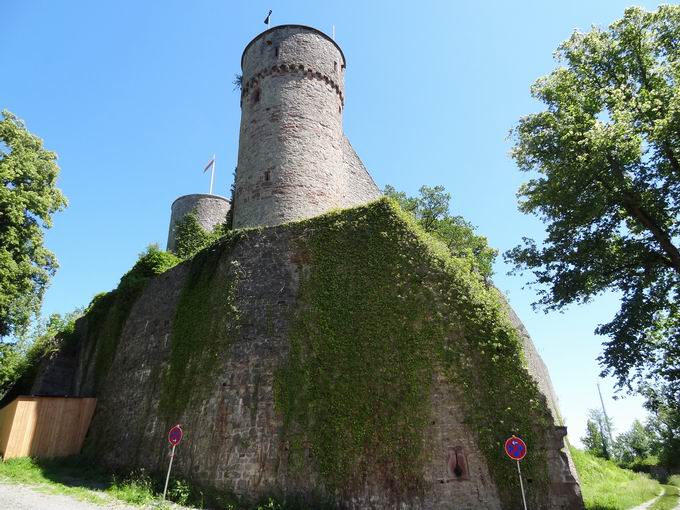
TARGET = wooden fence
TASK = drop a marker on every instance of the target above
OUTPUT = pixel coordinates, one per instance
(44, 427)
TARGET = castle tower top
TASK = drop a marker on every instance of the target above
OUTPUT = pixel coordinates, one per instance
(273, 35)
(294, 160)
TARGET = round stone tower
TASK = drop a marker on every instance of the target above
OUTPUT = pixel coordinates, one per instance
(292, 150)
(210, 210)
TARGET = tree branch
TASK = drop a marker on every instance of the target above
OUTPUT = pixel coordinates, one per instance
(632, 204)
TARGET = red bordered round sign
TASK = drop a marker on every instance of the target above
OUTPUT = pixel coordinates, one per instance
(175, 435)
(515, 448)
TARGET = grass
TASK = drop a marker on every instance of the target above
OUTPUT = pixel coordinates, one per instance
(78, 477)
(606, 486)
(75, 477)
(669, 500)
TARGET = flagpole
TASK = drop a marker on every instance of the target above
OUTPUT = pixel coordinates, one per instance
(212, 173)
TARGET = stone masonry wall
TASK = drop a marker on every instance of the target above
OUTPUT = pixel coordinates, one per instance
(361, 187)
(234, 433)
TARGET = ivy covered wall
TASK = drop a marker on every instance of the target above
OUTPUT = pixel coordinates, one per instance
(340, 360)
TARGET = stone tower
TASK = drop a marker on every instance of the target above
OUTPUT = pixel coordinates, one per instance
(294, 160)
(210, 210)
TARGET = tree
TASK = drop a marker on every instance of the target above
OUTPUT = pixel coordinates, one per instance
(596, 440)
(664, 423)
(605, 154)
(634, 445)
(593, 441)
(28, 198)
(431, 211)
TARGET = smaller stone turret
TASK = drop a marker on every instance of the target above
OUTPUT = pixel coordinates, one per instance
(210, 210)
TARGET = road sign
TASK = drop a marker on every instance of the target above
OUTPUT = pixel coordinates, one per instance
(175, 435)
(515, 448)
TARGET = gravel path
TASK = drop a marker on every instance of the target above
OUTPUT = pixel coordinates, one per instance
(645, 506)
(22, 497)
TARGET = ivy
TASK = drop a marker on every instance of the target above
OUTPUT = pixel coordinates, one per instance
(108, 312)
(383, 308)
(191, 237)
(205, 320)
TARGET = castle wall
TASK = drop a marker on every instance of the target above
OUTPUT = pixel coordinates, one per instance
(361, 187)
(210, 210)
(294, 161)
(235, 440)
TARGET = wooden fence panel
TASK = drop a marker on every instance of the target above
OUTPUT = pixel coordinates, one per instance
(44, 427)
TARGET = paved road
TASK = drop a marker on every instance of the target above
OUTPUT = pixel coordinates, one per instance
(21, 497)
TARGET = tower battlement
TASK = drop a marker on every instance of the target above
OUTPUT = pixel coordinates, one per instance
(294, 160)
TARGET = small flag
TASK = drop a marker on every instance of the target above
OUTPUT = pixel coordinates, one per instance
(210, 163)
(266, 20)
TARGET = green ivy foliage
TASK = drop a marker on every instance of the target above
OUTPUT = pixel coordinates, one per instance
(108, 312)
(384, 310)
(204, 323)
(384, 307)
(191, 237)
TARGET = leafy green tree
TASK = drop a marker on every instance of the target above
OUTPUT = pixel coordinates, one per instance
(28, 198)
(664, 423)
(605, 160)
(592, 441)
(596, 440)
(431, 210)
(634, 445)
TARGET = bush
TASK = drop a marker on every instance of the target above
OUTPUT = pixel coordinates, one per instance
(191, 237)
(179, 492)
(152, 262)
(674, 480)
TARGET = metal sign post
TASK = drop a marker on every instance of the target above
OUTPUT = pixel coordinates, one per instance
(516, 449)
(174, 438)
(521, 486)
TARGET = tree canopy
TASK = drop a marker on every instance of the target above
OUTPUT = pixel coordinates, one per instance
(604, 156)
(431, 210)
(28, 198)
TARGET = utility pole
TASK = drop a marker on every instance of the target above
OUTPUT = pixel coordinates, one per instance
(606, 419)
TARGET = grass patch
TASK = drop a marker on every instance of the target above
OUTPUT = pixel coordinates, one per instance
(606, 486)
(669, 500)
(77, 477)
(55, 477)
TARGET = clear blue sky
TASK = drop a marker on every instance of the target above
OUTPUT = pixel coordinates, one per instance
(136, 96)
